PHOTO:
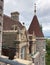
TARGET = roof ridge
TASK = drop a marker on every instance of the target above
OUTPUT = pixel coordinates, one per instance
(12, 19)
(8, 21)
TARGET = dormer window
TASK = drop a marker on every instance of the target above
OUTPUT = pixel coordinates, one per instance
(14, 27)
(30, 37)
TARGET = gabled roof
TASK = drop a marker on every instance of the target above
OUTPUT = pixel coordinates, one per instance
(8, 22)
(35, 27)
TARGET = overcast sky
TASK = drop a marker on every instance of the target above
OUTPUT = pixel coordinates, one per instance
(26, 10)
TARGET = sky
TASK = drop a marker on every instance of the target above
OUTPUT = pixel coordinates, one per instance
(26, 10)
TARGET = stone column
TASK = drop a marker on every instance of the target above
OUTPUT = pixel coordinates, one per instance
(17, 49)
(27, 51)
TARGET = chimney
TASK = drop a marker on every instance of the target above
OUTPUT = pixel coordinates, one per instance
(15, 16)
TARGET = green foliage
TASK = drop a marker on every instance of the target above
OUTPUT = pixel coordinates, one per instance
(48, 52)
(48, 41)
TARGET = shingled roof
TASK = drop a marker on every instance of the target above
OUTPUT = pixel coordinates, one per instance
(35, 27)
(8, 22)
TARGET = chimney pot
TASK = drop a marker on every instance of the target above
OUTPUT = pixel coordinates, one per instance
(15, 16)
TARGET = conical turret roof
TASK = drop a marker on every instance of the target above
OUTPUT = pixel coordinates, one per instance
(35, 27)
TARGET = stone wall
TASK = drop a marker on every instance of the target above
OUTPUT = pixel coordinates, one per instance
(9, 39)
(41, 46)
(1, 23)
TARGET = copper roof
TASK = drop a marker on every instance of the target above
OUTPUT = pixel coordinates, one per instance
(35, 27)
(8, 22)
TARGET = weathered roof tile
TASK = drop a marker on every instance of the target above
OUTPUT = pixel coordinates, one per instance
(35, 27)
(8, 22)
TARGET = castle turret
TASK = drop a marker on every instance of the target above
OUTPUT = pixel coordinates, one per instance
(1, 24)
(40, 40)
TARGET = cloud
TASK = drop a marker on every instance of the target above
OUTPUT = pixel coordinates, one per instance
(26, 9)
(18, 5)
(43, 12)
(47, 33)
(43, 7)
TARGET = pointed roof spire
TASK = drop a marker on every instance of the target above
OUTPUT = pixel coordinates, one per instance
(35, 8)
(35, 26)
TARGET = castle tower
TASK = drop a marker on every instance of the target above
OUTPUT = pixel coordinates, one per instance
(40, 40)
(1, 24)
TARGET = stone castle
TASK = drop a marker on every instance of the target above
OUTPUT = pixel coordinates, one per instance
(1, 23)
(19, 43)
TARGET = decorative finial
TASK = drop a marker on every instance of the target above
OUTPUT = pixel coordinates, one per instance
(23, 23)
(35, 8)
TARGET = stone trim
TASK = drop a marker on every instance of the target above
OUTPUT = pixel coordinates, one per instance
(40, 38)
(35, 55)
(10, 31)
